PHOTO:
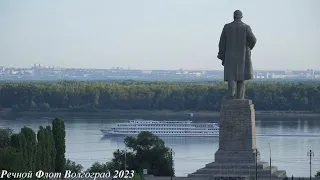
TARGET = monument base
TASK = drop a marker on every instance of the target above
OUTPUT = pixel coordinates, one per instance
(223, 156)
(237, 154)
(237, 171)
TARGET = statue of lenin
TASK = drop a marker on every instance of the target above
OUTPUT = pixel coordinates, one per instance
(236, 43)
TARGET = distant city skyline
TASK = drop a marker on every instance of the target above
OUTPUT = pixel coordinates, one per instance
(55, 66)
(151, 35)
(126, 68)
(49, 73)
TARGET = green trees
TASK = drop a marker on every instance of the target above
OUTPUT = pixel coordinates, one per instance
(51, 150)
(46, 152)
(59, 136)
(5, 135)
(136, 177)
(73, 166)
(10, 159)
(146, 151)
(19, 143)
(26, 151)
(29, 148)
(41, 150)
(98, 167)
(27, 96)
(20, 154)
(150, 152)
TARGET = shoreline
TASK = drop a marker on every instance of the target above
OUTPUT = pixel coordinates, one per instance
(156, 114)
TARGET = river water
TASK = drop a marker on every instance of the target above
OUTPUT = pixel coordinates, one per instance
(290, 141)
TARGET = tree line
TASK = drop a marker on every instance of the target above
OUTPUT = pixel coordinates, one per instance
(146, 151)
(76, 95)
(28, 151)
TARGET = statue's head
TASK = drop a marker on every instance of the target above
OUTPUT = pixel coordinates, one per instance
(237, 14)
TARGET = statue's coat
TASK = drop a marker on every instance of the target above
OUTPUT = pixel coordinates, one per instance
(236, 43)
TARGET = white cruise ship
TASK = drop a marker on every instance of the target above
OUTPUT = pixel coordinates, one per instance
(162, 128)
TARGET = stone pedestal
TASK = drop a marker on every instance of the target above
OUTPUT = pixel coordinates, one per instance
(237, 156)
(237, 133)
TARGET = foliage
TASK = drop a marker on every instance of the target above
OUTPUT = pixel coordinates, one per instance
(318, 174)
(26, 151)
(98, 168)
(119, 159)
(146, 151)
(10, 159)
(149, 152)
(73, 166)
(59, 136)
(51, 148)
(46, 152)
(19, 142)
(5, 135)
(22, 96)
(29, 146)
(136, 177)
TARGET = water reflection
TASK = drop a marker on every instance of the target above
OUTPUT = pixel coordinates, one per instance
(299, 128)
(209, 140)
(170, 140)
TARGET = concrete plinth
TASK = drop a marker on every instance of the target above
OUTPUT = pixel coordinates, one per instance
(237, 134)
(237, 156)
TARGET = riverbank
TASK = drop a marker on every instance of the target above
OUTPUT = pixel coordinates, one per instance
(156, 114)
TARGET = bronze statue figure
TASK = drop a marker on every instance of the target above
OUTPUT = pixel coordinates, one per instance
(236, 43)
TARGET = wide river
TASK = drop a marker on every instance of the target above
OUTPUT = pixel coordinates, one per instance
(290, 141)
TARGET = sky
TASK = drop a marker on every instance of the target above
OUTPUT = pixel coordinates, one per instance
(155, 34)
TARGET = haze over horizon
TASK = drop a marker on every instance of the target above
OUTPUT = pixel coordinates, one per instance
(166, 34)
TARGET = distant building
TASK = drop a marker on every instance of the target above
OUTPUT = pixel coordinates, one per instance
(146, 72)
(310, 72)
(267, 75)
(278, 76)
(288, 73)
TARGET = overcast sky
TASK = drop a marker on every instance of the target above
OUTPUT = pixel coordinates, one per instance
(155, 34)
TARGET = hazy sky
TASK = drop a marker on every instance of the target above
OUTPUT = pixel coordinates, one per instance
(155, 34)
